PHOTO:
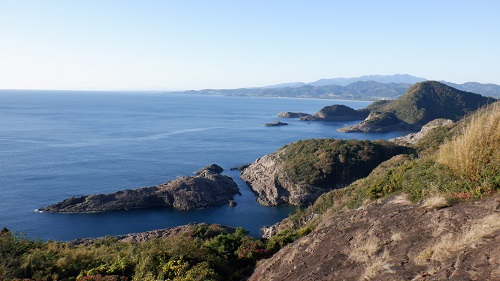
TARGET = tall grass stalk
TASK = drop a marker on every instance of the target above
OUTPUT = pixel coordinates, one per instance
(474, 153)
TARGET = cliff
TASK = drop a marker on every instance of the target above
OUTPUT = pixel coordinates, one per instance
(207, 189)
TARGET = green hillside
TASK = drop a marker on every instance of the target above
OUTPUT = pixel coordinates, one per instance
(426, 101)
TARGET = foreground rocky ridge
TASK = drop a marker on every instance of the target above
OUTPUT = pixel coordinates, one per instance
(207, 189)
(299, 173)
(393, 239)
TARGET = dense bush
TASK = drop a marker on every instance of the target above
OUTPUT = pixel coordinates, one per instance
(207, 252)
(331, 163)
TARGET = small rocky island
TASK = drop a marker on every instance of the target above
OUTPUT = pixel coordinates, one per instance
(275, 124)
(207, 189)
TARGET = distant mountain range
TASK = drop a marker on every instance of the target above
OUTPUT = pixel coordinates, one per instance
(368, 87)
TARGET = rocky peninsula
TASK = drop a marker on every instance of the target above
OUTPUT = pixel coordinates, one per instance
(208, 188)
(300, 172)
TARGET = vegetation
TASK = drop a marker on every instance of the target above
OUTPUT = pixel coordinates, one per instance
(459, 163)
(207, 252)
(340, 112)
(426, 101)
(453, 164)
(331, 163)
(474, 154)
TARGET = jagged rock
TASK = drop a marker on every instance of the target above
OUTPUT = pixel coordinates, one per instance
(207, 189)
(415, 137)
(288, 114)
(212, 168)
(379, 123)
(277, 123)
(240, 168)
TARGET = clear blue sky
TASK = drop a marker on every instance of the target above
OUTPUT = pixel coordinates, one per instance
(184, 44)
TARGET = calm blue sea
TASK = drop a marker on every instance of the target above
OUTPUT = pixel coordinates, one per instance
(58, 144)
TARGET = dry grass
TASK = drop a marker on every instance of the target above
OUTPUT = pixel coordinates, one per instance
(470, 236)
(367, 250)
(396, 237)
(377, 265)
(362, 250)
(435, 202)
(474, 152)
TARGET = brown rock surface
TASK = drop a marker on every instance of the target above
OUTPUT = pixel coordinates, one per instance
(393, 239)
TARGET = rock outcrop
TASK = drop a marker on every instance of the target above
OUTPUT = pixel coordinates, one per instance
(393, 239)
(300, 172)
(276, 124)
(379, 123)
(288, 114)
(415, 137)
(207, 189)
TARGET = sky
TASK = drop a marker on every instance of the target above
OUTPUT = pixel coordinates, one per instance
(188, 44)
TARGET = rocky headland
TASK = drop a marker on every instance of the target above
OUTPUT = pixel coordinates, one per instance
(422, 103)
(208, 188)
(300, 172)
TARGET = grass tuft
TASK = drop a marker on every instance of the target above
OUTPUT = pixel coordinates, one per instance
(474, 153)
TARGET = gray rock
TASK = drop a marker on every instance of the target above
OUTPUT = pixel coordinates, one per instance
(288, 114)
(415, 137)
(207, 189)
(277, 123)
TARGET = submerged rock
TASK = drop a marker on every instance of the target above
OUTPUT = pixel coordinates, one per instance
(207, 189)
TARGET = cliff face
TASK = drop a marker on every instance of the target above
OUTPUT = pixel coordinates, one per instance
(393, 239)
(207, 189)
(300, 172)
(266, 177)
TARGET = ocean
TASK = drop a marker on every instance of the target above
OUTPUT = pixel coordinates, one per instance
(58, 144)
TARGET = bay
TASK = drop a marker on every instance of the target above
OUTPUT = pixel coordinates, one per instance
(58, 144)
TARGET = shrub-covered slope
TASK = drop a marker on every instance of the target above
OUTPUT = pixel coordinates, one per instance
(299, 172)
(422, 103)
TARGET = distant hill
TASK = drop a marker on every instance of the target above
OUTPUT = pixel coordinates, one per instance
(368, 87)
(422, 103)
(361, 90)
(396, 78)
(489, 90)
